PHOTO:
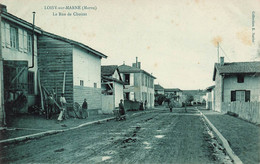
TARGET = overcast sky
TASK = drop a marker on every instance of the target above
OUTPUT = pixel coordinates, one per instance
(174, 40)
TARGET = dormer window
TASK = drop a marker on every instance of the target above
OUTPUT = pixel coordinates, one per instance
(240, 79)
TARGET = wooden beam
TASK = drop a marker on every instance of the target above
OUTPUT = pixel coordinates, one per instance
(64, 77)
(19, 73)
(40, 88)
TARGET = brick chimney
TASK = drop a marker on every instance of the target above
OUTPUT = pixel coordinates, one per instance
(222, 61)
(3, 8)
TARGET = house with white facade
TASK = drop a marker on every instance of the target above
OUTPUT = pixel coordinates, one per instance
(236, 82)
(19, 63)
(77, 67)
(112, 87)
(158, 89)
(139, 84)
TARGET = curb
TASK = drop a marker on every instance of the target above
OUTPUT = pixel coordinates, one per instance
(50, 132)
(225, 143)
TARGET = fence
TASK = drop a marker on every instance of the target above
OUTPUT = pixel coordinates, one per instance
(131, 105)
(249, 111)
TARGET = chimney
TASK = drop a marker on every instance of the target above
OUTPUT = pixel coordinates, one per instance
(136, 61)
(138, 65)
(3, 8)
(222, 61)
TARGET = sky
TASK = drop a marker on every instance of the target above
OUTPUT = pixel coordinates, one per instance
(174, 40)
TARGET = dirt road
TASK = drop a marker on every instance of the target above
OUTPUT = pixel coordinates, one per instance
(156, 137)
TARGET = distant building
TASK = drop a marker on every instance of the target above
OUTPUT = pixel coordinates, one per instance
(158, 89)
(237, 81)
(112, 87)
(139, 84)
(174, 93)
(199, 96)
(210, 97)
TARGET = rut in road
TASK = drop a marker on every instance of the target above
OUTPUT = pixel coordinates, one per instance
(149, 138)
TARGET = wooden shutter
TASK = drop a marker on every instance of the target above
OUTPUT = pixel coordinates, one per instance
(3, 34)
(25, 41)
(247, 96)
(233, 95)
(20, 39)
(131, 76)
(7, 32)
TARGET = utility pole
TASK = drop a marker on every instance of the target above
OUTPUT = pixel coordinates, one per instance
(218, 51)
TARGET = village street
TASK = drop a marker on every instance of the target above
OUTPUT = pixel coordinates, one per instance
(154, 137)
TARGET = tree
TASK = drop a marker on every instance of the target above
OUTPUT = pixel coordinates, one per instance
(160, 98)
(189, 99)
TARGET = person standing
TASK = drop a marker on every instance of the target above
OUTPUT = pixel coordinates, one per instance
(171, 104)
(121, 108)
(84, 113)
(63, 113)
(50, 107)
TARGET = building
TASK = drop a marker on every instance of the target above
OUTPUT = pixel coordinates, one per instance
(112, 87)
(236, 82)
(210, 97)
(70, 67)
(173, 93)
(158, 89)
(199, 96)
(19, 58)
(139, 84)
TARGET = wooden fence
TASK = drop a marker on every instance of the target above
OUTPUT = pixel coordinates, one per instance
(249, 111)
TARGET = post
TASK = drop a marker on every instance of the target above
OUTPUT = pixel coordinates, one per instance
(64, 77)
(218, 51)
(2, 109)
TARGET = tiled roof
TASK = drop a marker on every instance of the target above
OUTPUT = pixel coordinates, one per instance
(194, 92)
(85, 47)
(108, 70)
(210, 88)
(237, 68)
(158, 87)
(172, 90)
(112, 79)
(128, 69)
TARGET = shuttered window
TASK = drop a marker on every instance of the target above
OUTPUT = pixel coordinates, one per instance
(243, 96)
(233, 95)
(14, 37)
(29, 43)
(247, 98)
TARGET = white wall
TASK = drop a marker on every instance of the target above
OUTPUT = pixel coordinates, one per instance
(21, 53)
(118, 93)
(251, 83)
(86, 67)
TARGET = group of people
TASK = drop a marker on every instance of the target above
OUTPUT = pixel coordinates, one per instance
(50, 110)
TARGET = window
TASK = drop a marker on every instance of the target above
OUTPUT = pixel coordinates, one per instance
(81, 82)
(29, 43)
(127, 97)
(240, 78)
(30, 82)
(127, 78)
(243, 96)
(14, 37)
(95, 85)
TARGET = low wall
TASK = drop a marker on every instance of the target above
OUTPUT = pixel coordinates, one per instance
(131, 105)
(249, 111)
